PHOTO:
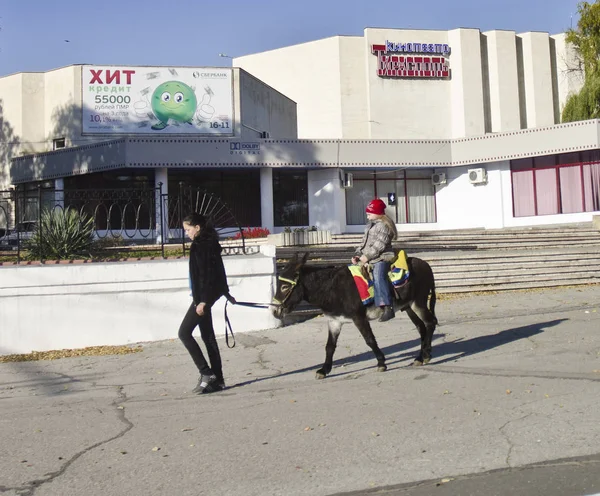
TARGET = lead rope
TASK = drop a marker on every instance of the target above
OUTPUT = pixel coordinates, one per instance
(228, 328)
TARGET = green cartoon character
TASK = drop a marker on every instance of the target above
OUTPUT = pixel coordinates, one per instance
(173, 100)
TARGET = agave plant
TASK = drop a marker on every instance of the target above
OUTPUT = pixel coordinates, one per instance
(61, 234)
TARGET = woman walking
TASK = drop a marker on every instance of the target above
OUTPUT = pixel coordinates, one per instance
(208, 283)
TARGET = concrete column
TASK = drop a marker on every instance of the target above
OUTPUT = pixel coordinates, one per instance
(568, 79)
(466, 83)
(503, 81)
(161, 175)
(266, 198)
(537, 100)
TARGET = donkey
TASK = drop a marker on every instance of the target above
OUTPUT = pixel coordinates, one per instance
(333, 290)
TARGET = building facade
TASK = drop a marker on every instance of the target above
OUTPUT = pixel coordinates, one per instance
(452, 129)
(421, 84)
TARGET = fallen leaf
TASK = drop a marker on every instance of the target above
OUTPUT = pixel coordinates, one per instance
(508, 391)
(446, 392)
(123, 452)
(121, 408)
(443, 481)
(374, 434)
(156, 448)
(308, 428)
(186, 429)
(57, 354)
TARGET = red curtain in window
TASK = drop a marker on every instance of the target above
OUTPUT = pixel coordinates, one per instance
(571, 190)
(523, 194)
(591, 186)
(546, 189)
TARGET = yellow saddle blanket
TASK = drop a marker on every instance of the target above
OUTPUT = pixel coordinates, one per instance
(398, 275)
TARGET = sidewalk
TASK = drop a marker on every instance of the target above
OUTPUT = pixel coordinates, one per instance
(515, 379)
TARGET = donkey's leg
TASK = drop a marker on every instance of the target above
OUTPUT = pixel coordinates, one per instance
(422, 332)
(429, 322)
(362, 323)
(334, 327)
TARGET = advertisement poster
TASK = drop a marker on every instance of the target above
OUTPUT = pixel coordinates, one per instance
(157, 100)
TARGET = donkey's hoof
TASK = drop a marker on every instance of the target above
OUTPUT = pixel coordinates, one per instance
(320, 374)
(417, 363)
(426, 361)
(382, 368)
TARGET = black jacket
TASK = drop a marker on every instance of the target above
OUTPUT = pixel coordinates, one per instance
(207, 272)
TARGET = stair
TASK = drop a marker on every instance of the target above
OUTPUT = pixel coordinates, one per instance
(486, 260)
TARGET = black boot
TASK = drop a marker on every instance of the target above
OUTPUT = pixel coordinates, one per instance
(388, 313)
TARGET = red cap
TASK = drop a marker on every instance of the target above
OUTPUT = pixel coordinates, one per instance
(376, 207)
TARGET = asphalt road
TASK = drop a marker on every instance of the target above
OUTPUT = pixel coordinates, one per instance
(509, 405)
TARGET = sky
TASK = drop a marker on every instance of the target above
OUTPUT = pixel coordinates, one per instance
(39, 35)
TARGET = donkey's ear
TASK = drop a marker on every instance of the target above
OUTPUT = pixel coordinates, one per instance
(304, 259)
(299, 263)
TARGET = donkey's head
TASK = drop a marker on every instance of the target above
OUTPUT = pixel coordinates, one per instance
(288, 292)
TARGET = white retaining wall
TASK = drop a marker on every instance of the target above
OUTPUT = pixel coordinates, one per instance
(51, 307)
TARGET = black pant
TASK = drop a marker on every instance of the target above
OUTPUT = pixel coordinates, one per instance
(190, 321)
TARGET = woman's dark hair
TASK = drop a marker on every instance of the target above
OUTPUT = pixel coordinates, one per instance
(196, 219)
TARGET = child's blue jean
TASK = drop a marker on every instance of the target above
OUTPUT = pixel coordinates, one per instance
(383, 292)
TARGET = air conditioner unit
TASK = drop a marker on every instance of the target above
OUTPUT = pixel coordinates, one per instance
(347, 180)
(438, 178)
(477, 176)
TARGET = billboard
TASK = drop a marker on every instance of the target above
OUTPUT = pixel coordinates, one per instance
(157, 100)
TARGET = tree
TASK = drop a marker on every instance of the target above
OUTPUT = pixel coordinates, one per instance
(586, 40)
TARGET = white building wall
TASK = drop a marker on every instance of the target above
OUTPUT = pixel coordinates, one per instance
(406, 108)
(307, 73)
(62, 114)
(11, 123)
(33, 131)
(353, 87)
(75, 306)
(462, 205)
(503, 81)
(537, 80)
(261, 109)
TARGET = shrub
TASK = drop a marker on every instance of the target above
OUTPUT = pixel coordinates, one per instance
(61, 234)
(253, 232)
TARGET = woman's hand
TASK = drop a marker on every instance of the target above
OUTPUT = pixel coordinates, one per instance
(200, 309)
(355, 260)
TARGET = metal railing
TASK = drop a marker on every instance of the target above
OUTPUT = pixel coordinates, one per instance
(143, 218)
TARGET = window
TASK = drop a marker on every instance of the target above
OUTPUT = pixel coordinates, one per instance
(415, 195)
(556, 184)
(290, 197)
(58, 143)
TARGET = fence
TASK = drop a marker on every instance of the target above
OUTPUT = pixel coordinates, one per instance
(144, 219)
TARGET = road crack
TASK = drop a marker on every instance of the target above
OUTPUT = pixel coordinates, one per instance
(29, 488)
